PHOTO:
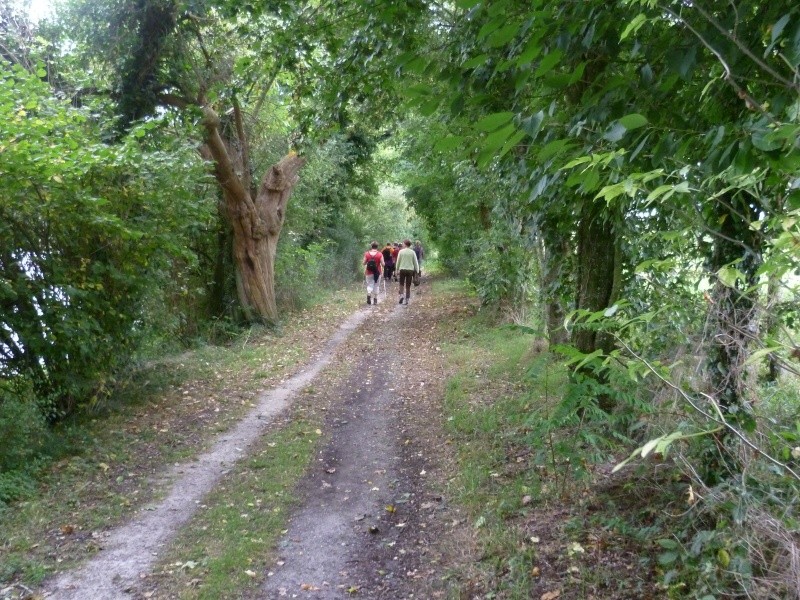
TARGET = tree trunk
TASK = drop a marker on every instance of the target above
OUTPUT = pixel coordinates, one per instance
(598, 276)
(598, 269)
(256, 229)
(256, 219)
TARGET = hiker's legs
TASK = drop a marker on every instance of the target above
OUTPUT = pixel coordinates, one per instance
(369, 281)
(376, 286)
(405, 282)
(373, 281)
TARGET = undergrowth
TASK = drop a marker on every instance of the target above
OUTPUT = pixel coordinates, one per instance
(553, 515)
(530, 452)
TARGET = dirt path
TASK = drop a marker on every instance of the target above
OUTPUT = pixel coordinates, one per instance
(371, 523)
(369, 517)
(130, 550)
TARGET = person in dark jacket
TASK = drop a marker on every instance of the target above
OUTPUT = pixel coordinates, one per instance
(420, 254)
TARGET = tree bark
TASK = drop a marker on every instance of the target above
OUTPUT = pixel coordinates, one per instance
(598, 267)
(598, 276)
(256, 234)
(256, 222)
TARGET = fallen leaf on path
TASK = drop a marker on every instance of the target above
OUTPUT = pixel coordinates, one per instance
(551, 595)
(250, 573)
(307, 587)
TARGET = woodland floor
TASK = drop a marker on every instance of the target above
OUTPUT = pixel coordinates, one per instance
(373, 517)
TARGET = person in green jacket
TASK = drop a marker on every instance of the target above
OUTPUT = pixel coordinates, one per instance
(406, 265)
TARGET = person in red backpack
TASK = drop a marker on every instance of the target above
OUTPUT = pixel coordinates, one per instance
(373, 267)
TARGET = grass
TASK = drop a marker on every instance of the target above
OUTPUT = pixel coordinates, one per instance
(487, 404)
(223, 551)
(524, 481)
(100, 464)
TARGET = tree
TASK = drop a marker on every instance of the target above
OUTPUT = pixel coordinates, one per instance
(164, 54)
(86, 235)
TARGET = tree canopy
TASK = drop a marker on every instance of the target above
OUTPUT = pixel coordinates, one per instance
(626, 172)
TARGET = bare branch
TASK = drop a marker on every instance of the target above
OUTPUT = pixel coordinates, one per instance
(745, 50)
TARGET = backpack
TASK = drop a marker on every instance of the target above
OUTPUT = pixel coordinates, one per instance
(372, 265)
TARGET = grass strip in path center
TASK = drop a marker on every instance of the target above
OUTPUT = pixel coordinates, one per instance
(129, 551)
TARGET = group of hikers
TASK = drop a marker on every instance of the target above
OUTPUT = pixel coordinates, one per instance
(395, 262)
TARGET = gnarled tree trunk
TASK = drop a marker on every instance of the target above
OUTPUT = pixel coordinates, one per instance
(256, 228)
(256, 217)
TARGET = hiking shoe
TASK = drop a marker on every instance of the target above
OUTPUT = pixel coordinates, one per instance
(375, 301)
(401, 300)
(369, 299)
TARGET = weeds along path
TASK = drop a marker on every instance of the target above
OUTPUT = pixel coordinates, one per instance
(130, 550)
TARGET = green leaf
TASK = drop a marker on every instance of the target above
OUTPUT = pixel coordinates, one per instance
(503, 35)
(729, 275)
(667, 558)
(553, 148)
(779, 26)
(475, 61)
(533, 124)
(449, 143)
(633, 26)
(549, 61)
(761, 353)
(430, 107)
(529, 54)
(633, 121)
(490, 27)
(577, 161)
(495, 140)
(494, 121)
(419, 89)
(615, 133)
(513, 141)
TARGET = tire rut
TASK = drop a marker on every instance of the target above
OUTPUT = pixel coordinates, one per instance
(130, 550)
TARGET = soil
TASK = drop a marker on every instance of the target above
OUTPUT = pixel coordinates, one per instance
(374, 521)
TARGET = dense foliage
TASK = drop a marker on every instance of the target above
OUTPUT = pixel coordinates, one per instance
(622, 177)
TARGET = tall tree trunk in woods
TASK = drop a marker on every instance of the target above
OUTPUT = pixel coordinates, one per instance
(256, 216)
(597, 276)
(256, 228)
(733, 313)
